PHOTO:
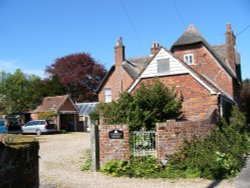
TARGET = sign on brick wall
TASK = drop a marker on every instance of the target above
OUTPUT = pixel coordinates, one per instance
(116, 134)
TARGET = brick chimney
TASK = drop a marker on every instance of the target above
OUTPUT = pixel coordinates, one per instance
(119, 53)
(155, 48)
(230, 46)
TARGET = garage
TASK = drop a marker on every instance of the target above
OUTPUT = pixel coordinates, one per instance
(60, 109)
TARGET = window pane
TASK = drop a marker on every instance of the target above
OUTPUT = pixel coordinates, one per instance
(108, 95)
(188, 58)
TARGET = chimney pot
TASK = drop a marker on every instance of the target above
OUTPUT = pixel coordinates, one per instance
(229, 27)
(155, 47)
(119, 41)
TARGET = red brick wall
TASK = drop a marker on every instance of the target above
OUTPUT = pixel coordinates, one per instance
(118, 81)
(206, 65)
(113, 149)
(67, 106)
(171, 134)
(198, 103)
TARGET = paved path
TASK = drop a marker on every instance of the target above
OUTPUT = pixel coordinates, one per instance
(62, 155)
(243, 179)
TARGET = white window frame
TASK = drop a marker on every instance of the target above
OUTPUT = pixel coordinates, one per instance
(167, 61)
(108, 95)
(189, 59)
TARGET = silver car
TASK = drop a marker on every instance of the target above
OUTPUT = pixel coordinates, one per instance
(38, 127)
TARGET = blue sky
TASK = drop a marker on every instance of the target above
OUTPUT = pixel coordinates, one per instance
(35, 32)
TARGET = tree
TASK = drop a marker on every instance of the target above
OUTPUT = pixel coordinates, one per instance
(245, 99)
(79, 74)
(148, 105)
(53, 87)
(19, 92)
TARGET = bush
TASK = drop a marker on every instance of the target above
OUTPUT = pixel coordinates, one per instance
(146, 167)
(219, 155)
(142, 109)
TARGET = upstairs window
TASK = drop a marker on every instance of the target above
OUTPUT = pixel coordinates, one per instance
(108, 95)
(189, 59)
(163, 66)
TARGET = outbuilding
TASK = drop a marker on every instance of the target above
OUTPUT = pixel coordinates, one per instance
(61, 109)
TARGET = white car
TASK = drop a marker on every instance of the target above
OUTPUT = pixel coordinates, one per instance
(38, 127)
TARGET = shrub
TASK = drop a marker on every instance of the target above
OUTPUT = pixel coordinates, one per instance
(219, 155)
(146, 167)
(116, 168)
(142, 109)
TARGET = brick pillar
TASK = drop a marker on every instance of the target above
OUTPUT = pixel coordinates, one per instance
(113, 149)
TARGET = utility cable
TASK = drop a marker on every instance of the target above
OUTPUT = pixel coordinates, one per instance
(179, 14)
(133, 27)
(243, 30)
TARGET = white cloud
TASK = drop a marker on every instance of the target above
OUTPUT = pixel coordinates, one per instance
(10, 66)
(35, 72)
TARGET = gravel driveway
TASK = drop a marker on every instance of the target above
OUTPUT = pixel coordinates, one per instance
(61, 156)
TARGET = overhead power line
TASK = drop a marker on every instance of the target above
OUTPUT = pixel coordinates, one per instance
(133, 27)
(243, 30)
(179, 14)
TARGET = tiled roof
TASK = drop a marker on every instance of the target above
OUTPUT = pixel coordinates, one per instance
(51, 104)
(134, 66)
(222, 50)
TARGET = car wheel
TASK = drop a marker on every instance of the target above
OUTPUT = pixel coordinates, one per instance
(38, 132)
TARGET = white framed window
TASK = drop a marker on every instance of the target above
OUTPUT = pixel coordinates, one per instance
(189, 59)
(163, 66)
(107, 95)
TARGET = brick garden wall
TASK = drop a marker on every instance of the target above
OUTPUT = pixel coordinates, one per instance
(19, 162)
(113, 149)
(169, 137)
(171, 134)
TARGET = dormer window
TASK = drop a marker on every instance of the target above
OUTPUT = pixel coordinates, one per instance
(163, 66)
(189, 59)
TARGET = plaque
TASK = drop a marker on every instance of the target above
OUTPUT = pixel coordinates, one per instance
(116, 134)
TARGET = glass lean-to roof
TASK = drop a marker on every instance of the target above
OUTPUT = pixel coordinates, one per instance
(86, 108)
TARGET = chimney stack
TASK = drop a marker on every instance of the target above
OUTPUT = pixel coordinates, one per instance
(119, 52)
(230, 46)
(155, 48)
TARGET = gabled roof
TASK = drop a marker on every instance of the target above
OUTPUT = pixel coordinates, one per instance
(53, 104)
(133, 66)
(193, 36)
(105, 78)
(208, 84)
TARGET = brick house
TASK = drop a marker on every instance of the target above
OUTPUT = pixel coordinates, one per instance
(207, 76)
